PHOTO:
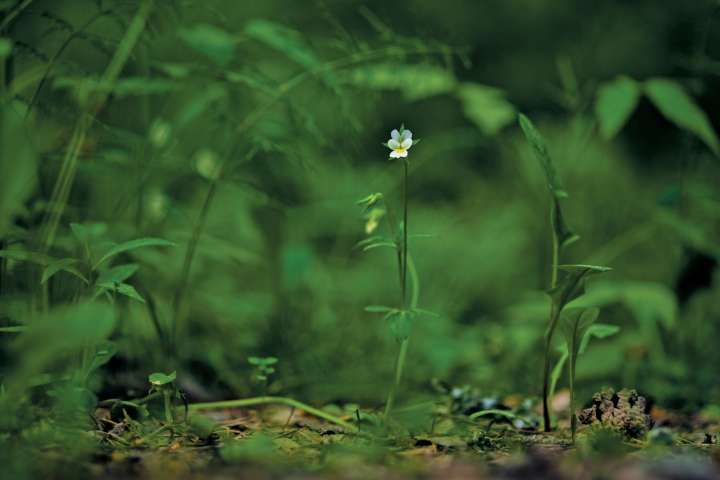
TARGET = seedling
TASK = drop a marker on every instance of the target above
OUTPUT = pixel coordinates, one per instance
(572, 285)
(263, 369)
(578, 326)
(164, 384)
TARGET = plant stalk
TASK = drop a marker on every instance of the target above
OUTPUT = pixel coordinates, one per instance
(402, 354)
(549, 336)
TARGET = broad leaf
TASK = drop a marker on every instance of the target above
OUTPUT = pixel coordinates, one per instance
(677, 106)
(616, 101)
(158, 378)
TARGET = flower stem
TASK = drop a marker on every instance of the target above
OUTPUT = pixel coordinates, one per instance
(402, 354)
(290, 402)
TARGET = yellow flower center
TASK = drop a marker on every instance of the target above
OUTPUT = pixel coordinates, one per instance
(400, 150)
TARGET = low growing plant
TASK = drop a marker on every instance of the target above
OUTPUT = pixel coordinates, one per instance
(571, 285)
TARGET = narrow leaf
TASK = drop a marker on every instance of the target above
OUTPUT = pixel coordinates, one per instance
(541, 152)
(616, 101)
(677, 106)
(64, 265)
(132, 245)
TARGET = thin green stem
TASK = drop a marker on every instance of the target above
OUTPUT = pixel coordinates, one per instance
(167, 404)
(403, 260)
(399, 366)
(551, 325)
(290, 402)
(405, 236)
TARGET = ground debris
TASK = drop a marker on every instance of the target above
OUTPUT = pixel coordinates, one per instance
(624, 411)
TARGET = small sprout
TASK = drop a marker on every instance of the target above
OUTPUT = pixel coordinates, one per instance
(263, 369)
(164, 384)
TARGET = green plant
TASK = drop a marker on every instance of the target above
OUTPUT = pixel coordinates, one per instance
(578, 327)
(164, 384)
(572, 285)
(375, 208)
(263, 369)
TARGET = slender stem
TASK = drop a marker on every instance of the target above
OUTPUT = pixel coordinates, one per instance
(167, 404)
(573, 419)
(405, 236)
(402, 354)
(290, 402)
(178, 298)
(549, 336)
(398, 376)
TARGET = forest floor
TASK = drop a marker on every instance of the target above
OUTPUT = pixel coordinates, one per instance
(276, 442)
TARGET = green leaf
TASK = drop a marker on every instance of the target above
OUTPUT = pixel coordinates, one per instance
(17, 164)
(572, 284)
(103, 354)
(375, 245)
(575, 324)
(213, 42)
(13, 329)
(379, 309)
(400, 324)
(414, 82)
(71, 328)
(677, 106)
(117, 274)
(486, 107)
(64, 265)
(616, 101)
(158, 378)
(27, 256)
(537, 143)
(132, 245)
(122, 289)
(597, 330)
(282, 39)
(262, 361)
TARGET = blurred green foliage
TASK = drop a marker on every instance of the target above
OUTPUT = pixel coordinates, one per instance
(236, 138)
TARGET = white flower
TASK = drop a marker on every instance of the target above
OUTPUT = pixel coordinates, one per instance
(400, 142)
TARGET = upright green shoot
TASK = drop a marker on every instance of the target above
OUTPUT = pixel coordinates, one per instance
(564, 290)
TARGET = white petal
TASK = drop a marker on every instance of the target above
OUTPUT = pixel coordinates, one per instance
(393, 143)
(402, 153)
(406, 134)
(395, 134)
(394, 154)
(407, 143)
